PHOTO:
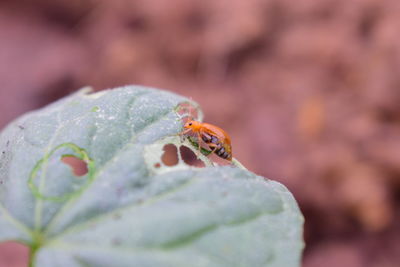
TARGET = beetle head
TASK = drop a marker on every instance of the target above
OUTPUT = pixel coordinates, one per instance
(192, 124)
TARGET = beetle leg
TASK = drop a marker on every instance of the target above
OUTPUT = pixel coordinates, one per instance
(199, 140)
(213, 147)
(181, 134)
(185, 131)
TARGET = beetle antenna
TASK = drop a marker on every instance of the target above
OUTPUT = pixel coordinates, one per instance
(189, 113)
(188, 110)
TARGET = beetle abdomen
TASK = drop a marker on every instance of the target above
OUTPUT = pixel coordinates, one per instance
(220, 151)
(219, 148)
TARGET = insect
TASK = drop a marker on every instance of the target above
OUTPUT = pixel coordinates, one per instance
(214, 137)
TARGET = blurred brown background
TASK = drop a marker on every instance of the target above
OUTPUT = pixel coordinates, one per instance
(308, 90)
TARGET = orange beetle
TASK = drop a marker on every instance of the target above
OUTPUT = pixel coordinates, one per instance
(215, 138)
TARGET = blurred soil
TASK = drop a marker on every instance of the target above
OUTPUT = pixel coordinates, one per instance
(308, 90)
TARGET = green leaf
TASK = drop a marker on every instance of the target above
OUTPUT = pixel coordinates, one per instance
(130, 209)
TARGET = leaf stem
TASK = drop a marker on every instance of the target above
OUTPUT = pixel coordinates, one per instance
(38, 240)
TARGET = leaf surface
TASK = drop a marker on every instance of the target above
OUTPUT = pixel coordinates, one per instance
(130, 209)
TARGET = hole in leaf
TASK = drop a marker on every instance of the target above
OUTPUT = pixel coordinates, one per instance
(219, 160)
(187, 110)
(190, 158)
(14, 254)
(78, 166)
(43, 169)
(170, 156)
